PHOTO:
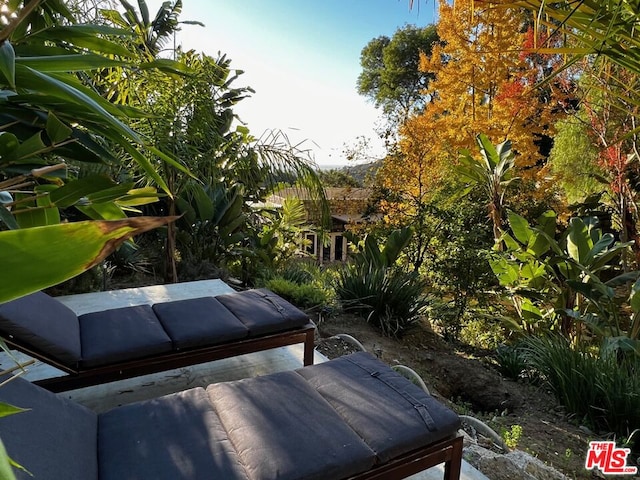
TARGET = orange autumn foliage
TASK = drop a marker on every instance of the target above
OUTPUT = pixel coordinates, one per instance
(412, 174)
(485, 83)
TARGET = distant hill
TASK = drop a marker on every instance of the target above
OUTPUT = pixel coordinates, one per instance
(363, 173)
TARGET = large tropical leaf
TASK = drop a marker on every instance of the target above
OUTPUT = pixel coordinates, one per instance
(578, 240)
(90, 37)
(37, 55)
(520, 227)
(395, 244)
(68, 63)
(7, 63)
(37, 258)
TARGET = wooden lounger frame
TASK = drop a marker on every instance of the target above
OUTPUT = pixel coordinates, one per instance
(448, 451)
(177, 359)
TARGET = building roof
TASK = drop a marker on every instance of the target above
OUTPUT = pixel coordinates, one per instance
(331, 193)
(356, 218)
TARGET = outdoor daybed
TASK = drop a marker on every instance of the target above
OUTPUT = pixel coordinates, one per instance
(120, 343)
(352, 417)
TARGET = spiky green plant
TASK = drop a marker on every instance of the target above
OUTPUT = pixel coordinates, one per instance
(599, 389)
(391, 300)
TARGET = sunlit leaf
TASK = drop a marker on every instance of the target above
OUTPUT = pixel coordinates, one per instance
(68, 63)
(168, 66)
(87, 36)
(110, 194)
(37, 258)
(36, 216)
(530, 311)
(146, 165)
(506, 273)
(102, 211)
(139, 196)
(73, 191)
(55, 86)
(7, 409)
(578, 240)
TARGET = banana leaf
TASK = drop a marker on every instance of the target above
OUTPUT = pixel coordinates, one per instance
(40, 257)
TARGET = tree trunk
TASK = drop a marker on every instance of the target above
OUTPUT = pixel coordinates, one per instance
(171, 272)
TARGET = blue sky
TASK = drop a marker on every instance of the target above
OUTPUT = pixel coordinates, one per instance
(302, 58)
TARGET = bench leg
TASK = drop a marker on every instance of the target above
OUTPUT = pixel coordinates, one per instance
(454, 465)
(309, 344)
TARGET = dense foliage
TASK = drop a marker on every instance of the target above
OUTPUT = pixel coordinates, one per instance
(549, 96)
(508, 201)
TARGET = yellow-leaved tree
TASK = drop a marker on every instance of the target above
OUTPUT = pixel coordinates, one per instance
(486, 73)
(486, 82)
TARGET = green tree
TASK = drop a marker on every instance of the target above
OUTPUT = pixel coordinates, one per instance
(144, 89)
(50, 120)
(390, 75)
(280, 237)
(193, 118)
(574, 160)
(338, 178)
(456, 263)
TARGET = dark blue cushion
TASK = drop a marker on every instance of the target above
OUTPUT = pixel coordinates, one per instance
(390, 413)
(283, 429)
(55, 439)
(199, 321)
(45, 324)
(263, 312)
(121, 334)
(174, 437)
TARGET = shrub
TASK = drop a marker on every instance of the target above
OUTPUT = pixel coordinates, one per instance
(373, 286)
(512, 360)
(481, 331)
(390, 299)
(300, 272)
(306, 295)
(512, 436)
(446, 318)
(603, 390)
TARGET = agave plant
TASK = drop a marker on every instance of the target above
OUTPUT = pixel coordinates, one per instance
(374, 286)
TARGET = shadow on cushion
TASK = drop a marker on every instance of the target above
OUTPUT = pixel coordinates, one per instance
(43, 323)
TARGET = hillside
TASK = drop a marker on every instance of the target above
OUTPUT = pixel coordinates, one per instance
(363, 173)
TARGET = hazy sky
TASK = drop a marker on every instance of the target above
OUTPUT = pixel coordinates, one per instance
(303, 58)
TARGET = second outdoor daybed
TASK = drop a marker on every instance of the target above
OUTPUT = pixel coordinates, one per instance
(349, 418)
(119, 343)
